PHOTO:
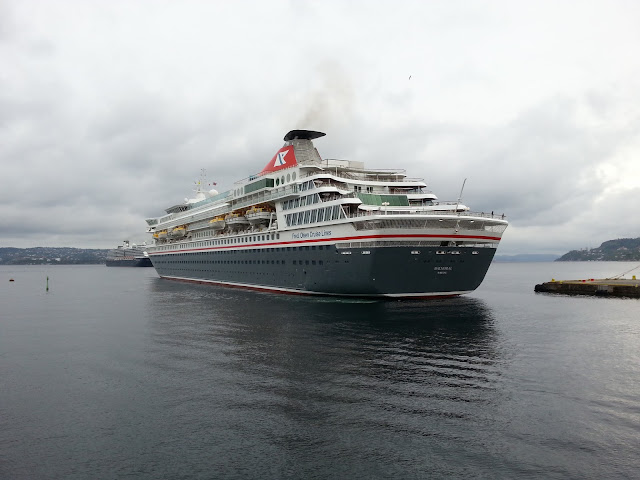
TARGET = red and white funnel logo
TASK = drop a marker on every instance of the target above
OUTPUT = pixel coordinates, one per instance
(285, 158)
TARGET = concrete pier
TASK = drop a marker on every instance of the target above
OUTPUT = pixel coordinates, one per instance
(620, 287)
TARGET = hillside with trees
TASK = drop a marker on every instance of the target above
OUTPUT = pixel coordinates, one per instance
(622, 249)
(51, 256)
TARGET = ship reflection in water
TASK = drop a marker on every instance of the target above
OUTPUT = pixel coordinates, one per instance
(265, 328)
(327, 377)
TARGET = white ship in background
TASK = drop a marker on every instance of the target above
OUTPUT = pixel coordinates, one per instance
(308, 225)
(128, 255)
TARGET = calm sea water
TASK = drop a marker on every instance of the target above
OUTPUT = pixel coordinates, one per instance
(116, 373)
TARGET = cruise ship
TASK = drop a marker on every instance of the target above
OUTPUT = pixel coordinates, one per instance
(128, 255)
(309, 225)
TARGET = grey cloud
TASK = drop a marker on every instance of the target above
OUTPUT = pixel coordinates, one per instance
(99, 131)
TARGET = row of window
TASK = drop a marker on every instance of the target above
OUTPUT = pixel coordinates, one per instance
(240, 262)
(173, 264)
(222, 241)
(308, 185)
(225, 262)
(291, 177)
(254, 251)
(325, 214)
(301, 202)
(204, 234)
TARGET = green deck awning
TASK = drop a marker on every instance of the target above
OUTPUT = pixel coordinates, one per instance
(392, 200)
(260, 184)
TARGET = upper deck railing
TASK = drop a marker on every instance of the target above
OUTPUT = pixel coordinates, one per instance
(392, 212)
(364, 176)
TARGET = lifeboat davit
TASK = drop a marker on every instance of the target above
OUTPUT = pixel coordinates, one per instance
(236, 220)
(217, 223)
(180, 231)
(258, 215)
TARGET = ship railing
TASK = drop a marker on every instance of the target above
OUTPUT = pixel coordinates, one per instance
(256, 176)
(409, 243)
(330, 183)
(446, 203)
(196, 216)
(394, 211)
(232, 236)
(330, 197)
(391, 176)
(266, 196)
(396, 172)
(195, 208)
(405, 191)
(438, 224)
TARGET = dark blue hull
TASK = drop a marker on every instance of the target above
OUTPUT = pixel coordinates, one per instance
(398, 271)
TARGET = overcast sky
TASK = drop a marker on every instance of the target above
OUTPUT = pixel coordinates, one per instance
(109, 109)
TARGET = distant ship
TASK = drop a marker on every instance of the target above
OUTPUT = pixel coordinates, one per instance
(308, 225)
(128, 255)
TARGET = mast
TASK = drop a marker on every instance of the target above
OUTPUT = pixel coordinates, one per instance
(460, 196)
